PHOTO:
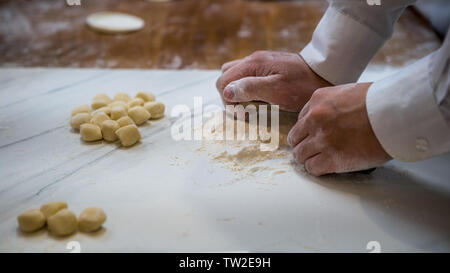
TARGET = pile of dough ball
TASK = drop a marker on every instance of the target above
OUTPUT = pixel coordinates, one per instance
(118, 118)
(60, 220)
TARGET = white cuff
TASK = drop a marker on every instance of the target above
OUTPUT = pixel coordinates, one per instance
(341, 48)
(405, 117)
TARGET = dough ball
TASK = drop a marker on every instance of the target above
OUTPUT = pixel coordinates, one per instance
(118, 103)
(122, 97)
(91, 219)
(118, 112)
(80, 118)
(63, 223)
(128, 135)
(98, 103)
(155, 108)
(106, 110)
(138, 114)
(81, 109)
(51, 208)
(103, 97)
(90, 132)
(146, 96)
(99, 118)
(109, 128)
(135, 102)
(124, 121)
(31, 220)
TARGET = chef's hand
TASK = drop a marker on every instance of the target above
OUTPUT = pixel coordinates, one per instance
(333, 132)
(273, 77)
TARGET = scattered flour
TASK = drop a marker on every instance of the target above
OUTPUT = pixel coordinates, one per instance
(244, 156)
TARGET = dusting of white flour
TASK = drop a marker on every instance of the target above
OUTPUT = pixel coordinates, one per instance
(244, 157)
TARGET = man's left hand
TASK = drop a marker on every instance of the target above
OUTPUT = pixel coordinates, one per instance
(333, 133)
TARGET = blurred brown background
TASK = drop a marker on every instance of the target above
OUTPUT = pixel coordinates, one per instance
(178, 34)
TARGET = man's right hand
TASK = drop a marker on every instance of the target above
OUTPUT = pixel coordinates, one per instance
(273, 77)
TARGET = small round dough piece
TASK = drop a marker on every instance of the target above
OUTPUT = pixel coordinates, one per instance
(81, 109)
(118, 103)
(114, 22)
(135, 102)
(100, 100)
(79, 119)
(90, 132)
(98, 103)
(106, 110)
(128, 135)
(124, 121)
(155, 108)
(104, 97)
(122, 97)
(146, 96)
(91, 219)
(139, 114)
(63, 223)
(109, 128)
(99, 118)
(49, 209)
(31, 220)
(118, 112)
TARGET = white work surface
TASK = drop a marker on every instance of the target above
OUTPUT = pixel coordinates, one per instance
(163, 196)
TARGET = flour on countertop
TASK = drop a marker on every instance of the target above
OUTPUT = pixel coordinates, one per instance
(245, 157)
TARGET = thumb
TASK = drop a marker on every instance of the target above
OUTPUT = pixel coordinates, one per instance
(250, 88)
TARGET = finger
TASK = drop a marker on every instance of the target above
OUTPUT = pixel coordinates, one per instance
(298, 133)
(304, 110)
(234, 73)
(317, 95)
(305, 150)
(228, 65)
(251, 88)
(318, 165)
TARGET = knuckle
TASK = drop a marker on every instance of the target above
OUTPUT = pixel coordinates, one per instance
(259, 55)
(224, 65)
(245, 88)
(318, 113)
(319, 94)
(320, 91)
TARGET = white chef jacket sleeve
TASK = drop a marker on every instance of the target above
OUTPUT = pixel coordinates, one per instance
(348, 36)
(410, 111)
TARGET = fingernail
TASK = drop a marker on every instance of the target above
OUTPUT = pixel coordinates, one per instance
(229, 91)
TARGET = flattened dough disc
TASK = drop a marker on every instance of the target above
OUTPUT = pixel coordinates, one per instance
(114, 22)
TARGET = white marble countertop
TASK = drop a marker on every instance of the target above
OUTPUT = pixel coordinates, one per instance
(162, 196)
